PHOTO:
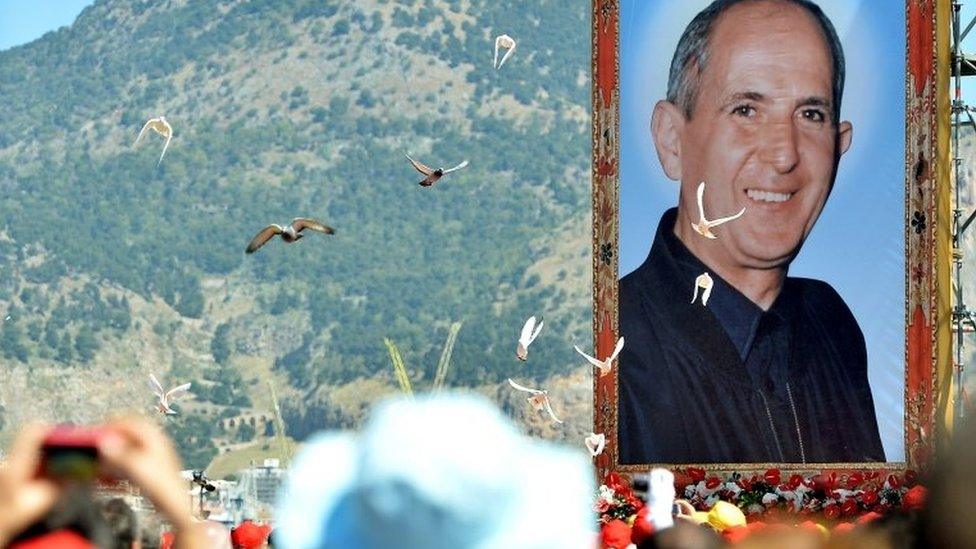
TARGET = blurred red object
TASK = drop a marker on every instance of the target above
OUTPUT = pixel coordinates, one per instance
(868, 517)
(61, 539)
(167, 540)
(615, 534)
(642, 528)
(735, 534)
(249, 535)
(915, 498)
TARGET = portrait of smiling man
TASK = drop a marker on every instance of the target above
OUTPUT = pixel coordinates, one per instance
(773, 369)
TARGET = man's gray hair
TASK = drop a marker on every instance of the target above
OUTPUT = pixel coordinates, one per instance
(691, 55)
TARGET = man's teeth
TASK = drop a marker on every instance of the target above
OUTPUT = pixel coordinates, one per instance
(768, 196)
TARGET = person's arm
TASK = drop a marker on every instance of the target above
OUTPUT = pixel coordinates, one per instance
(140, 452)
(24, 498)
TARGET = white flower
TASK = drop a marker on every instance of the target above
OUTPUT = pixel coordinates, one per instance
(770, 498)
(606, 493)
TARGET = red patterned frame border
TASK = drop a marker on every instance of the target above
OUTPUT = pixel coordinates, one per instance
(927, 314)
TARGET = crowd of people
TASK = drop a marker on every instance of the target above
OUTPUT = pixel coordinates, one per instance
(447, 471)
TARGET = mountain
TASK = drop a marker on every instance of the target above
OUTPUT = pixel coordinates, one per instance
(112, 268)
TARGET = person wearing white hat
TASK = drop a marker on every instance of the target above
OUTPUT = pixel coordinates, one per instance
(445, 471)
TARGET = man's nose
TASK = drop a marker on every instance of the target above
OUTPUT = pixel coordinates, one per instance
(779, 146)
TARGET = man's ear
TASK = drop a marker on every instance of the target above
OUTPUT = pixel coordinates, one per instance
(845, 132)
(667, 122)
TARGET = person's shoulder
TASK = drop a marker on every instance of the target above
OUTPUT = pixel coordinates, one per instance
(820, 299)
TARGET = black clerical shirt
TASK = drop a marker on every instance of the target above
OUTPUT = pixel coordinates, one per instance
(731, 383)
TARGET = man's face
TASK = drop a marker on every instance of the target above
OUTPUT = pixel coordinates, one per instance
(761, 135)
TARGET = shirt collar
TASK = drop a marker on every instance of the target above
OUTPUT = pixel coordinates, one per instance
(736, 313)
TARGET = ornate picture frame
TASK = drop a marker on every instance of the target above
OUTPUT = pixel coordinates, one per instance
(927, 164)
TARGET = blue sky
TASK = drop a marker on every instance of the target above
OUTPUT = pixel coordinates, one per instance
(24, 20)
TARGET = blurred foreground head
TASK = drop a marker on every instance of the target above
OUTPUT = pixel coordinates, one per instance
(949, 518)
(437, 472)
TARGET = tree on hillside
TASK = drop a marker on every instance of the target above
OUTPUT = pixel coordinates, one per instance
(86, 344)
(219, 345)
(11, 342)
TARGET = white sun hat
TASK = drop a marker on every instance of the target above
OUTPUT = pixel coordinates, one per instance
(437, 472)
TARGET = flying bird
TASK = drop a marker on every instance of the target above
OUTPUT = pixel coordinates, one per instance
(160, 126)
(530, 331)
(167, 397)
(503, 41)
(539, 399)
(603, 365)
(432, 175)
(595, 443)
(705, 282)
(289, 233)
(703, 227)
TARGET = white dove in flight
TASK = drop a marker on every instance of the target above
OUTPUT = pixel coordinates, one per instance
(160, 126)
(530, 331)
(503, 41)
(704, 226)
(539, 399)
(595, 443)
(705, 282)
(433, 175)
(167, 397)
(603, 365)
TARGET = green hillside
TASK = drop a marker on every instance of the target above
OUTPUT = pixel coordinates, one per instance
(283, 108)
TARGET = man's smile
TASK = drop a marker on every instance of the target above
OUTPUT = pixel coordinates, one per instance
(759, 195)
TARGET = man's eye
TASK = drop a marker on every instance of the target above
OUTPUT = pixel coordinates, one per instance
(814, 115)
(744, 110)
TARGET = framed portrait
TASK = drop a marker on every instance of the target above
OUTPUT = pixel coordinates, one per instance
(770, 233)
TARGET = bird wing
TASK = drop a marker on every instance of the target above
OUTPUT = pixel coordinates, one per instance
(525, 338)
(420, 167)
(264, 236)
(157, 389)
(165, 146)
(302, 223)
(458, 167)
(176, 393)
(721, 220)
(518, 387)
(507, 54)
(551, 413)
(616, 350)
(701, 202)
(538, 328)
(494, 61)
(142, 132)
(588, 358)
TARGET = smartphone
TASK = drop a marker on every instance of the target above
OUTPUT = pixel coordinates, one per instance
(70, 453)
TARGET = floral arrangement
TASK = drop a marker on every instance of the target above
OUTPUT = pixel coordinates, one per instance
(834, 497)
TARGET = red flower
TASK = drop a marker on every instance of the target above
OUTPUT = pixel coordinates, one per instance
(681, 481)
(697, 474)
(826, 483)
(615, 534)
(854, 480)
(894, 481)
(911, 478)
(850, 507)
(869, 498)
(915, 499)
(713, 483)
(795, 481)
(772, 477)
(831, 511)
